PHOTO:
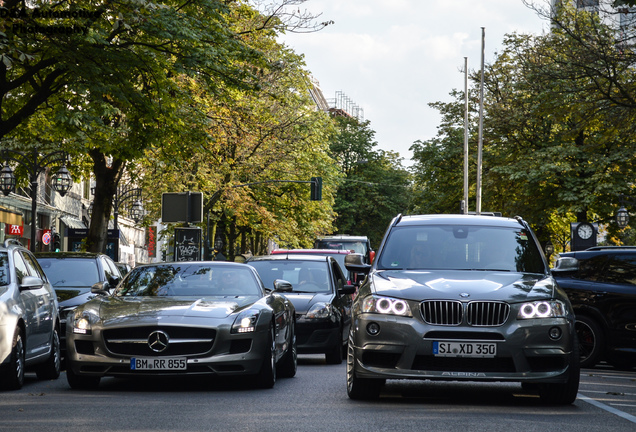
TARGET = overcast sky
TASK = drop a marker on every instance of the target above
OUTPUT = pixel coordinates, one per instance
(394, 57)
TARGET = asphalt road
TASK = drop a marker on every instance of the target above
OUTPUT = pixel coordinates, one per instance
(316, 400)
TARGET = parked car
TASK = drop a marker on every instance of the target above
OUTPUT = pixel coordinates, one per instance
(183, 318)
(601, 285)
(461, 298)
(337, 254)
(321, 297)
(123, 268)
(357, 244)
(72, 275)
(29, 322)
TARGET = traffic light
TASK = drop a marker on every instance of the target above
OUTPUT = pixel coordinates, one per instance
(316, 188)
(163, 255)
(57, 245)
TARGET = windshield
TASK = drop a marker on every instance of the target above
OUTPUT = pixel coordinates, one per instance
(189, 280)
(70, 272)
(355, 246)
(461, 248)
(305, 276)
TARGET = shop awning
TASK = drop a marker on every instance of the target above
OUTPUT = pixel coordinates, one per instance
(10, 217)
(72, 222)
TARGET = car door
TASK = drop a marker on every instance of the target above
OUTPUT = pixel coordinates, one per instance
(29, 302)
(342, 302)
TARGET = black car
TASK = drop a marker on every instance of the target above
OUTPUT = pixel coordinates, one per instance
(321, 297)
(73, 275)
(461, 298)
(601, 284)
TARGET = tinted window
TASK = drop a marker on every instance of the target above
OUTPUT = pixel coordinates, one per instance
(620, 269)
(70, 272)
(450, 247)
(187, 280)
(4, 269)
(357, 246)
(592, 269)
(32, 265)
(305, 276)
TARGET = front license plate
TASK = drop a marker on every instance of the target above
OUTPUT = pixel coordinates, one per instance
(154, 363)
(464, 349)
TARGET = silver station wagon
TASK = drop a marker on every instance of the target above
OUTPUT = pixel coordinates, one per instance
(463, 298)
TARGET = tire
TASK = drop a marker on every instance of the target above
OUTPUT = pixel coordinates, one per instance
(288, 365)
(12, 377)
(266, 378)
(80, 382)
(564, 393)
(335, 355)
(591, 341)
(51, 368)
(360, 388)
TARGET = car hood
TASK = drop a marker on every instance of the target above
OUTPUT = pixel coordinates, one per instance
(73, 296)
(141, 308)
(303, 301)
(469, 285)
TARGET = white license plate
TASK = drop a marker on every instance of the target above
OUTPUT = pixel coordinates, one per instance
(464, 349)
(158, 363)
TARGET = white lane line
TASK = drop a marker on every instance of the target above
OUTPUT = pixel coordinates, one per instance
(607, 408)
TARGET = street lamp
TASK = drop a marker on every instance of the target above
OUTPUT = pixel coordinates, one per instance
(136, 211)
(35, 163)
(549, 248)
(622, 215)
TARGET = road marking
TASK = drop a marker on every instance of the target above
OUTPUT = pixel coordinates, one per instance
(607, 408)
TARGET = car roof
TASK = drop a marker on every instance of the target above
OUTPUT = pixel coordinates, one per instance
(289, 257)
(457, 219)
(68, 254)
(344, 237)
(312, 251)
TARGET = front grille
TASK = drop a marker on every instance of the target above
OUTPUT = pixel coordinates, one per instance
(453, 313)
(487, 314)
(182, 341)
(442, 312)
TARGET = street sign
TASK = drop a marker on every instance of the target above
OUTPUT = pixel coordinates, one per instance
(182, 207)
(187, 244)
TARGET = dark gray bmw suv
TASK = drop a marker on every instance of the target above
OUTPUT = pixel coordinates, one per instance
(461, 298)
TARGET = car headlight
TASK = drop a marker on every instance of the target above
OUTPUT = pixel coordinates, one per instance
(542, 309)
(82, 323)
(245, 321)
(386, 306)
(319, 311)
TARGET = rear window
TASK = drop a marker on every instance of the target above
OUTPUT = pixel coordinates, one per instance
(447, 247)
(70, 272)
(305, 276)
(355, 246)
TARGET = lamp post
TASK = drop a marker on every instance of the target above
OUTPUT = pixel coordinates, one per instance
(136, 211)
(622, 215)
(35, 163)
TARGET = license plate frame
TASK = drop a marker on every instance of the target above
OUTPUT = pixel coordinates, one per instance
(464, 349)
(158, 364)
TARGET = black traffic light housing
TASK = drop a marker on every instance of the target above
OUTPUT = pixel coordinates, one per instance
(57, 244)
(316, 188)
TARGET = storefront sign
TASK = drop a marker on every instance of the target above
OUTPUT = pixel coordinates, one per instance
(14, 230)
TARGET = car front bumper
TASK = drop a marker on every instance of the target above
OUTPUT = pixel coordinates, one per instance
(403, 349)
(317, 336)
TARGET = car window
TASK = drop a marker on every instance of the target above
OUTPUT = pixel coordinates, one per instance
(340, 279)
(5, 277)
(33, 266)
(110, 269)
(592, 269)
(191, 280)
(305, 276)
(433, 247)
(20, 267)
(70, 272)
(620, 269)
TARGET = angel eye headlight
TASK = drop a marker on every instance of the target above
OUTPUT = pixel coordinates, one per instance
(542, 309)
(386, 306)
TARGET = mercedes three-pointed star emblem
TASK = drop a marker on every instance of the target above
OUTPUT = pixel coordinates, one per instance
(158, 341)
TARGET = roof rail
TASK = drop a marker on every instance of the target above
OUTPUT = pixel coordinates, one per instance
(12, 241)
(594, 248)
(396, 219)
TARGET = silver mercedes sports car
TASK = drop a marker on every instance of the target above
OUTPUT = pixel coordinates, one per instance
(464, 298)
(184, 318)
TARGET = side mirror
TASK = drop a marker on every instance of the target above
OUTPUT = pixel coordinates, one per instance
(101, 288)
(371, 256)
(282, 286)
(566, 264)
(355, 263)
(347, 289)
(31, 282)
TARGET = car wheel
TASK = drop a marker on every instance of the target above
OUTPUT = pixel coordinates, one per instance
(591, 341)
(288, 365)
(266, 378)
(13, 372)
(563, 393)
(360, 388)
(335, 355)
(80, 382)
(50, 369)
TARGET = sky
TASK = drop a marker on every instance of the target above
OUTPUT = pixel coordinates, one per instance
(391, 58)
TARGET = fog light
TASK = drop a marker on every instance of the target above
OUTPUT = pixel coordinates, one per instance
(373, 328)
(555, 333)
